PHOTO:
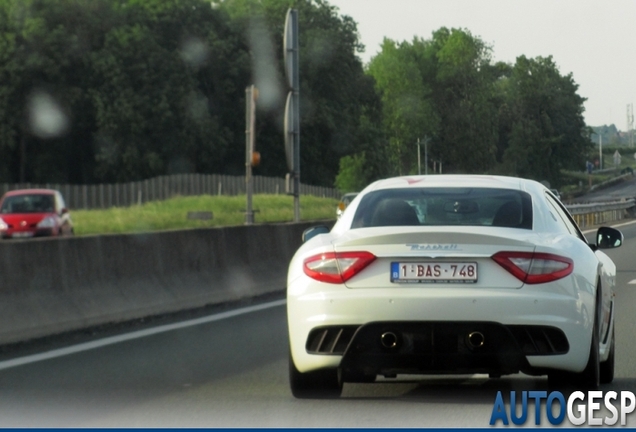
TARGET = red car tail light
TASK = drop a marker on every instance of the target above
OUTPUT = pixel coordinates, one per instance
(336, 267)
(534, 267)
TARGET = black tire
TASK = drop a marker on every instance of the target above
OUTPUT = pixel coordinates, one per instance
(320, 384)
(607, 367)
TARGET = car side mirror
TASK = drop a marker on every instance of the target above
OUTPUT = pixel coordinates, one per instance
(608, 238)
(314, 231)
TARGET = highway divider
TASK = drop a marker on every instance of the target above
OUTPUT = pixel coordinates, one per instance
(595, 214)
(52, 286)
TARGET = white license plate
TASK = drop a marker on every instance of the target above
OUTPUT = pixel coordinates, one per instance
(22, 234)
(434, 272)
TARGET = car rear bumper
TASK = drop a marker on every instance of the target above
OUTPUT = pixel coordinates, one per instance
(40, 232)
(432, 330)
(435, 347)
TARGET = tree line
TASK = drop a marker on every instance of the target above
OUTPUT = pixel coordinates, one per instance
(98, 91)
(523, 119)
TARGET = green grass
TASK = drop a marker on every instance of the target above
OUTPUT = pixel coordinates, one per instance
(227, 211)
(576, 183)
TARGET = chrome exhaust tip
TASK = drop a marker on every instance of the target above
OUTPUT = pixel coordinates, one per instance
(475, 339)
(389, 340)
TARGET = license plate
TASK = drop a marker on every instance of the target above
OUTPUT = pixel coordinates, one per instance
(22, 234)
(434, 272)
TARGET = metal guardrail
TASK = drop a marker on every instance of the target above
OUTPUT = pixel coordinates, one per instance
(576, 209)
(593, 214)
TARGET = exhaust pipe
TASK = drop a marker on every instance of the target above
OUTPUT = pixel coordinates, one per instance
(389, 340)
(475, 339)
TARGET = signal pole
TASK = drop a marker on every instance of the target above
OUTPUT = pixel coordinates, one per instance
(292, 108)
(252, 157)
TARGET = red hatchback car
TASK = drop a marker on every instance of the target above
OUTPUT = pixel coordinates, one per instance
(34, 213)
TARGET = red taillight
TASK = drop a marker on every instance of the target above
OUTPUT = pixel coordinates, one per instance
(535, 267)
(336, 267)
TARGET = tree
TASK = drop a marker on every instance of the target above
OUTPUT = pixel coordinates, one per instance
(608, 133)
(442, 88)
(352, 176)
(334, 91)
(407, 106)
(547, 129)
(464, 97)
(523, 119)
(9, 72)
(148, 87)
(116, 90)
(161, 98)
(43, 68)
(139, 88)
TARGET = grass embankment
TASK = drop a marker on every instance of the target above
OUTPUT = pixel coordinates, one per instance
(227, 210)
(580, 183)
(576, 183)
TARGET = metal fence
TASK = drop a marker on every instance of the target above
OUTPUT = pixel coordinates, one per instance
(594, 214)
(165, 187)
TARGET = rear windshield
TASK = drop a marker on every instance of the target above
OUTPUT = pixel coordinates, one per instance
(445, 206)
(32, 203)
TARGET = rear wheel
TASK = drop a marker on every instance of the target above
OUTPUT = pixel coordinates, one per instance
(320, 384)
(607, 367)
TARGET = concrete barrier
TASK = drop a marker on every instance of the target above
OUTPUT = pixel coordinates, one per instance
(50, 286)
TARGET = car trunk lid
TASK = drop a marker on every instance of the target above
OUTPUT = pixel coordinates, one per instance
(420, 250)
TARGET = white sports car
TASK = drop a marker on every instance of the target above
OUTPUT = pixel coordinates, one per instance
(451, 274)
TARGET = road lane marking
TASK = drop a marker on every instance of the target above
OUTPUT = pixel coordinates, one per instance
(135, 335)
(632, 282)
(613, 226)
(625, 223)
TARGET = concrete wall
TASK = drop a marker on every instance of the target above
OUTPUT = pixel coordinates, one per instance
(49, 286)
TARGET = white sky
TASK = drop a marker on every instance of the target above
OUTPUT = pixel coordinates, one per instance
(592, 39)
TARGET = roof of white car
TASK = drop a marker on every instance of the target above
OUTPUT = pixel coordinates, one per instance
(450, 180)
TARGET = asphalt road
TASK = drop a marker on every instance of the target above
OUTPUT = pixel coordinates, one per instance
(229, 369)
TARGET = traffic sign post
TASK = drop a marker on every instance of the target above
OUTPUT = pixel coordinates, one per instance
(252, 157)
(292, 111)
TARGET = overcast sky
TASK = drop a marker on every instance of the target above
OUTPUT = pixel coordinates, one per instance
(592, 39)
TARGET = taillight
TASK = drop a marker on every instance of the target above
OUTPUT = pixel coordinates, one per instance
(336, 267)
(535, 267)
